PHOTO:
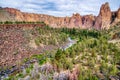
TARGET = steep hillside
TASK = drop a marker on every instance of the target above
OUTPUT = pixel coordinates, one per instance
(92, 57)
(38, 47)
(19, 41)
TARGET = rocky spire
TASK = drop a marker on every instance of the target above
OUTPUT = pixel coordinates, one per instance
(103, 20)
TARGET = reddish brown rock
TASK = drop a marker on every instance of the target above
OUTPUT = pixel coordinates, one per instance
(118, 13)
(88, 21)
(17, 15)
(115, 17)
(103, 20)
(75, 21)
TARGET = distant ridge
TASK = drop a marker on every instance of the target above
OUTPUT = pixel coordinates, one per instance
(104, 20)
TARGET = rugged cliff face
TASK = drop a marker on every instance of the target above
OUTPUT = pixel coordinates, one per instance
(88, 21)
(104, 20)
(117, 19)
(118, 13)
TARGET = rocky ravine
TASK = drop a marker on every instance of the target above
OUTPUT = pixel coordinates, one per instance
(104, 20)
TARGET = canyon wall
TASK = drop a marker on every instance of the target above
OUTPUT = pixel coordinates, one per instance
(104, 20)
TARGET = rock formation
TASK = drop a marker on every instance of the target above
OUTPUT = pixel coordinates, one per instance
(75, 21)
(88, 21)
(104, 20)
(118, 13)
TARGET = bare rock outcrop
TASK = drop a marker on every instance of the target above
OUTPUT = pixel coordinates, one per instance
(115, 17)
(103, 20)
(88, 21)
(75, 21)
(118, 13)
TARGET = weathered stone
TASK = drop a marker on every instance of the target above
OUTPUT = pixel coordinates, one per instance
(115, 17)
(46, 68)
(27, 78)
(88, 21)
(118, 13)
(61, 76)
(75, 21)
(24, 71)
(35, 71)
(103, 20)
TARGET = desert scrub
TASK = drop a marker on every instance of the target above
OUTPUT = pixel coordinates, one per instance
(37, 41)
(49, 36)
(41, 58)
(92, 52)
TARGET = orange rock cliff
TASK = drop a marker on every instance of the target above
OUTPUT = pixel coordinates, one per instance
(104, 19)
